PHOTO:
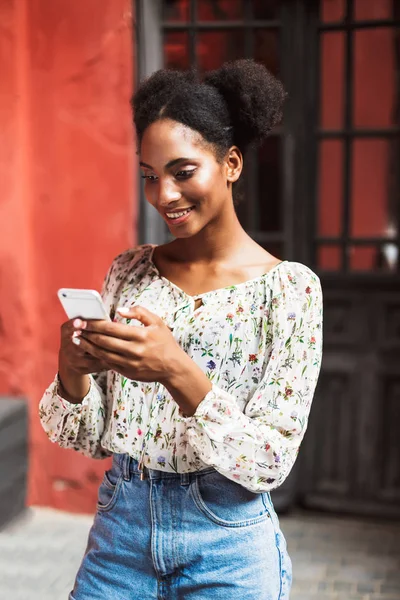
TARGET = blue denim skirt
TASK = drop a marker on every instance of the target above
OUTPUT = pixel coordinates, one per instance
(187, 536)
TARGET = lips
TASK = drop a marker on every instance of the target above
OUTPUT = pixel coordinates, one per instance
(177, 214)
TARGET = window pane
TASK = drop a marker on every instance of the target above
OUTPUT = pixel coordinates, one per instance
(332, 80)
(370, 184)
(390, 257)
(266, 9)
(374, 69)
(176, 50)
(374, 258)
(175, 10)
(216, 47)
(219, 10)
(373, 9)
(266, 49)
(332, 10)
(330, 188)
(329, 258)
(270, 185)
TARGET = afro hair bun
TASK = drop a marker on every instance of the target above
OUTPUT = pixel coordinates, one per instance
(254, 98)
(239, 103)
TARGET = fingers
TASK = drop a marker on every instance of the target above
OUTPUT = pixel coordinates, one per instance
(116, 330)
(102, 354)
(73, 355)
(141, 314)
(73, 324)
(119, 330)
(103, 342)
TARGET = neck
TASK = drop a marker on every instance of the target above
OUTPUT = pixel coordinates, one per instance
(216, 242)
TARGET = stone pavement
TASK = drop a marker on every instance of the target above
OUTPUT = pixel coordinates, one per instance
(334, 558)
(343, 558)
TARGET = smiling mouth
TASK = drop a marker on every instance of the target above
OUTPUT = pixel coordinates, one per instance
(172, 216)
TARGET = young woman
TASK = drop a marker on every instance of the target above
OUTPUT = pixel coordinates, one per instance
(204, 379)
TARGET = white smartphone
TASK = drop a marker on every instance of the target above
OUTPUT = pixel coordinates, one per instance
(86, 304)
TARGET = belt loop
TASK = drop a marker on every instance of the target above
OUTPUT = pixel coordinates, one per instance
(185, 478)
(126, 461)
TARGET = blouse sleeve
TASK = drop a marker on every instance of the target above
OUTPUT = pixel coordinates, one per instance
(80, 426)
(258, 447)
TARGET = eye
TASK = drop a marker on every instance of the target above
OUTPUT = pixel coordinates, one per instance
(150, 178)
(185, 174)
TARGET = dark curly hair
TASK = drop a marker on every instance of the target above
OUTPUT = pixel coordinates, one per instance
(238, 104)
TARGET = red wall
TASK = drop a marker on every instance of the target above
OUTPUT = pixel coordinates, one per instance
(67, 202)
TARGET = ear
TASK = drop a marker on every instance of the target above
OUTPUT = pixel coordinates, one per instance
(233, 164)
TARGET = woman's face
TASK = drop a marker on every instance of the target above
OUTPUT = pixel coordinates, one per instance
(183, 179)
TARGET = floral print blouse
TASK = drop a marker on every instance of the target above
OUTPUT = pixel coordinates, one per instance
(260, 344)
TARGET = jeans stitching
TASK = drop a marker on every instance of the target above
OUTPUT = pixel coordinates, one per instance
(280, 553)
(154, 538)
(201, 505)
(107, 507)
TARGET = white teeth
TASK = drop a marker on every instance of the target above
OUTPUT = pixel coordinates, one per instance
(176, 215)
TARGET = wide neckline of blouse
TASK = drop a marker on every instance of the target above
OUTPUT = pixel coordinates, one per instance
(244, 284)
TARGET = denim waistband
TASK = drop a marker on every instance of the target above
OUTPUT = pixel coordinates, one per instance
(130, 466)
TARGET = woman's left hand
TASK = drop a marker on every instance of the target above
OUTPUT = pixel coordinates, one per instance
(148, 353)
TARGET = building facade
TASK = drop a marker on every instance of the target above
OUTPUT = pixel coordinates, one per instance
(324, 190)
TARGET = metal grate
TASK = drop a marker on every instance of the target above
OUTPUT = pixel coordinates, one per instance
(345, 244)
(252, 36)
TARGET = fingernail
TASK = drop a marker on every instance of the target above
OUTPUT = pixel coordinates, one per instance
(123, 310)
(77, 323)
(76, 340)
(76, 334)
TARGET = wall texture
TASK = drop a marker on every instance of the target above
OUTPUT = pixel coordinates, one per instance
(67, 202)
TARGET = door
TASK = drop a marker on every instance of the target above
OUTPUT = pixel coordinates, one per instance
(323, 190)
(352, 459)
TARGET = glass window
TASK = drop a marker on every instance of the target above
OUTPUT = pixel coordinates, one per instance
(217, 47)
(329, 257)
(266, 10)
(220, 10)
(369, 192)
(176, 50)
(374, 258)
(330, 188)
(266, 49)
(176, 10)
(366, 10)
(332, 10)
(332, 80)
(358, 144)
(374, 69)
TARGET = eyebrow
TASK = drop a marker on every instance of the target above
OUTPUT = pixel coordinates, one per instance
(169, 164)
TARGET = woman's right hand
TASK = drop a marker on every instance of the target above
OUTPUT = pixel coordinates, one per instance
(74, 364)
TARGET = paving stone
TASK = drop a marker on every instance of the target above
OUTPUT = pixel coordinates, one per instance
(295, 596)
(383, 597)
(343, 586)
(390, 588)
(367, 588)
(333, 558)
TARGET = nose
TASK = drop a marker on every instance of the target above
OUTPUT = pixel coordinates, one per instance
(168, 193)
